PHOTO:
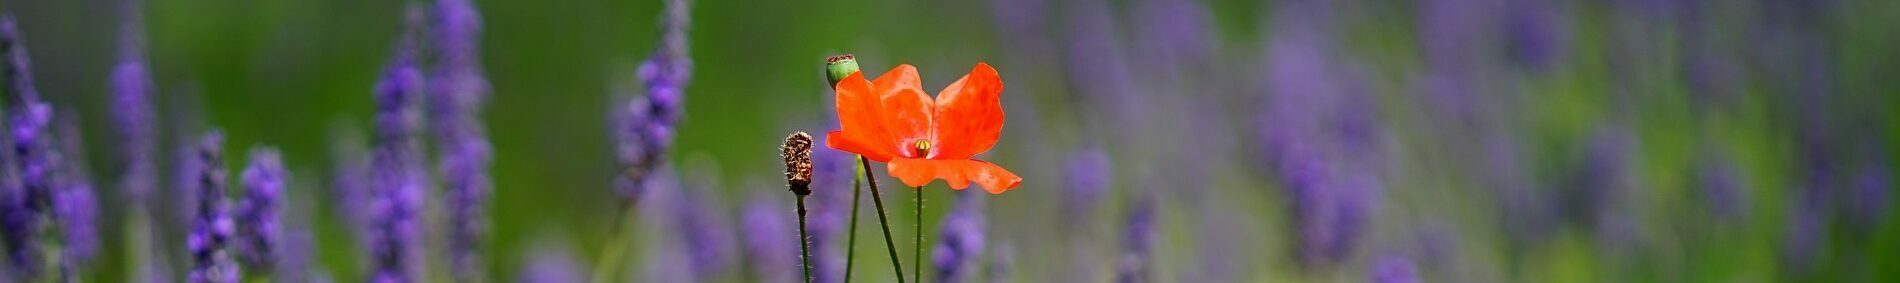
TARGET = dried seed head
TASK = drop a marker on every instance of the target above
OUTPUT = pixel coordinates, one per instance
(797, 154)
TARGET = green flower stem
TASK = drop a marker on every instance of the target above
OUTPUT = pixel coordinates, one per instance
(882, 220)
(851, 241)
(616, 250)
(917, 239)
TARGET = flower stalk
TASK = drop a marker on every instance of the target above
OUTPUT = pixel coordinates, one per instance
(798, 167)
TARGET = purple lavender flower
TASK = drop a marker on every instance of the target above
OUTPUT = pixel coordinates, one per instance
(258, 232)
(1313, 141)
(1394, 269)
(74, 204)
(397, 178)
(1102, 78)
(1872, 187)
(212, 227)
(1721, 189)
(830, 207)
(132, 108)
(552, 265)
(350, 184)
(459, 89)
(1138, 236)
(960, 246)
(1087, 179)
(1537, 33)
(1174, 33)
(643, 125)
(33, 197)
(774, 255)
(701, 229)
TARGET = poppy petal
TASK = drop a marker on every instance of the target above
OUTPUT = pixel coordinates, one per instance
(993, 178)
(904, 76)
(860, 116)
(839, 140)
(907, 113)
(959, 173)
(969, 115)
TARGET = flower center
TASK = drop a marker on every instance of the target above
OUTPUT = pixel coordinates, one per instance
(922, 147)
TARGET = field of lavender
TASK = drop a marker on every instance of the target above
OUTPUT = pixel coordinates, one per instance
(1389, 141)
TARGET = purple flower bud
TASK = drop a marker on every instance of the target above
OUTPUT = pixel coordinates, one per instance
(212, 228)
(263, 183)
(961, 245)
(770, 243)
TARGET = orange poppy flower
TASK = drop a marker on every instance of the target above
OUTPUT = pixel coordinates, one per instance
(892, 120)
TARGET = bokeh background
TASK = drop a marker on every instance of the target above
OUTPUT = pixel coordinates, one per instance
(1198, 141)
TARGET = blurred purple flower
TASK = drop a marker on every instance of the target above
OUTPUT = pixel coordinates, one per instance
(1174, 33)
(770, 242)
(1872, 189)
(830, 206)
(1394, 269)
(1088, 177)
(1102, 80)
(1721, 189)
(132, 109)
(1315, 140)
(643, 125)
(458, 89)
(552, 264)
(1538, 33)
(397, 178)
(702, 230)
(258, 233)
(24, 204)
(961, 244)
(212, 229)
(75, 205)
(1138, 239)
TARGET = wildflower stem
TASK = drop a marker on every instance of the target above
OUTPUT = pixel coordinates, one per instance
(851, 240)
(804, 240)
(917, 239)
(882, 220)
(616, 249)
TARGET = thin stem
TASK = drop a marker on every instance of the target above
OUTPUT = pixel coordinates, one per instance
(882, 220)
(917, 239)
(804, 242)
(851, 241)
(616, 246)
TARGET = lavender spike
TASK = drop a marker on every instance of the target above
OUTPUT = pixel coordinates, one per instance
(263, 183)
(28, 197)
(773, 256)
(961, 244)
(212, 226)
(74, 204)
(397, 178)
(458, 90)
